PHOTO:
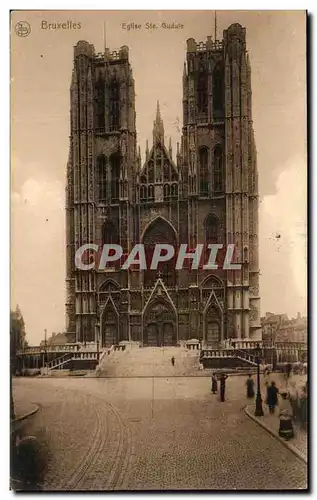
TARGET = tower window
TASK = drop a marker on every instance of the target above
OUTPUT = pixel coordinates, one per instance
(114, 96)
(218, 170)
(203, 165)
(102, 177)
(218, 91)
(115, 177)
(211, 229)
(202, 91)
(151, 193)
(100, 102)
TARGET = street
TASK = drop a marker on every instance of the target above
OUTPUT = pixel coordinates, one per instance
(160, 433)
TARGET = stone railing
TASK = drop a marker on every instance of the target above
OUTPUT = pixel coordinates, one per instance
(89, 347)
(242, 344)
(58, 361)
(217, 353)
(291, 345)
(227, 353)
(245, 355)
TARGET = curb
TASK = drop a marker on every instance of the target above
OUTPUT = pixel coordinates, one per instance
(26, 415)
(288, 445)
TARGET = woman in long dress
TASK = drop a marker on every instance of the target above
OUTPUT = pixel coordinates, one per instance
(286, 413)
(250, 387)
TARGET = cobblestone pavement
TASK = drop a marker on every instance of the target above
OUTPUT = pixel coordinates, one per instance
(134, 434)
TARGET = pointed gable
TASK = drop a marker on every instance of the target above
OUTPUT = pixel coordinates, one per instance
(159, 176)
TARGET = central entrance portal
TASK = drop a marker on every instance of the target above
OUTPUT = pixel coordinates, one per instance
(159, 325)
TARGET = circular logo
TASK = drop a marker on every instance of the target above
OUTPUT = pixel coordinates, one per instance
(22, 28)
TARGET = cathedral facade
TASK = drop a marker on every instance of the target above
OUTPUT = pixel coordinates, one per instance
(206, 193)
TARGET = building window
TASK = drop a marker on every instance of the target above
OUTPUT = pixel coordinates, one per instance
(211, 229)
(167, 192)
(218, 91)
(102, 177)
(110, 234)
(151, 193)
(174, 192)
(203, 165)
(202, 91)
(114, 97)
(218, 170)
(115, 177)
(143, 193)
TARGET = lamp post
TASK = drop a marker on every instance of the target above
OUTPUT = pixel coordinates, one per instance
(258, 402)
(97, 340)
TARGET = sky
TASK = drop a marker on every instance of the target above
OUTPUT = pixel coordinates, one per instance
(41, 66)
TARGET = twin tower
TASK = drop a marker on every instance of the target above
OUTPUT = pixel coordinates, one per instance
(206, 193)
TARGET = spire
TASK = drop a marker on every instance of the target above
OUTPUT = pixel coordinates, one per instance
(147, 153)
(104, 37)
(158, 128)
(170, 147)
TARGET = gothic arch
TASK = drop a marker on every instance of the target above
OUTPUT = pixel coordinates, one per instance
(109, 285)
(159, 230)
(213, 325)
(162, 220)
(212, 281)
(159, 324)
(109, 324)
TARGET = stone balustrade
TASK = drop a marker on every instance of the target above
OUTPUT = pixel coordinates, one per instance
(242, 344)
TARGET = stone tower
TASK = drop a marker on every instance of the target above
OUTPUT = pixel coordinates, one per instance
(100, 172)
(220, 158)
(208, 194)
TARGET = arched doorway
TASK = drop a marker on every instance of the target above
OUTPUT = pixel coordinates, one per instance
(159, 325)
(159, 231)
(109, 327)
(213, 327)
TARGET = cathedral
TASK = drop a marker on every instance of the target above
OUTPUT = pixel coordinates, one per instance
(206, 193)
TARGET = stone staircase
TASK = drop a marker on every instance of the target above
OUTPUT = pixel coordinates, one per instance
(137, 361)
(227, 358)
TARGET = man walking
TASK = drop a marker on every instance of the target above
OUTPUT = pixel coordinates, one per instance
(223, 378)
(173, 360)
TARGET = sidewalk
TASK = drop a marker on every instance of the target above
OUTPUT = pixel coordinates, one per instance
(297, 445)
(23, 409)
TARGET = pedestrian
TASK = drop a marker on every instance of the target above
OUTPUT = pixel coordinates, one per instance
(294, 400)
(288, 370)
(173, 360)
(303, 407)
(250, 387)
(271, 399)
(286, 426)
(223, 378)
(214, 383)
